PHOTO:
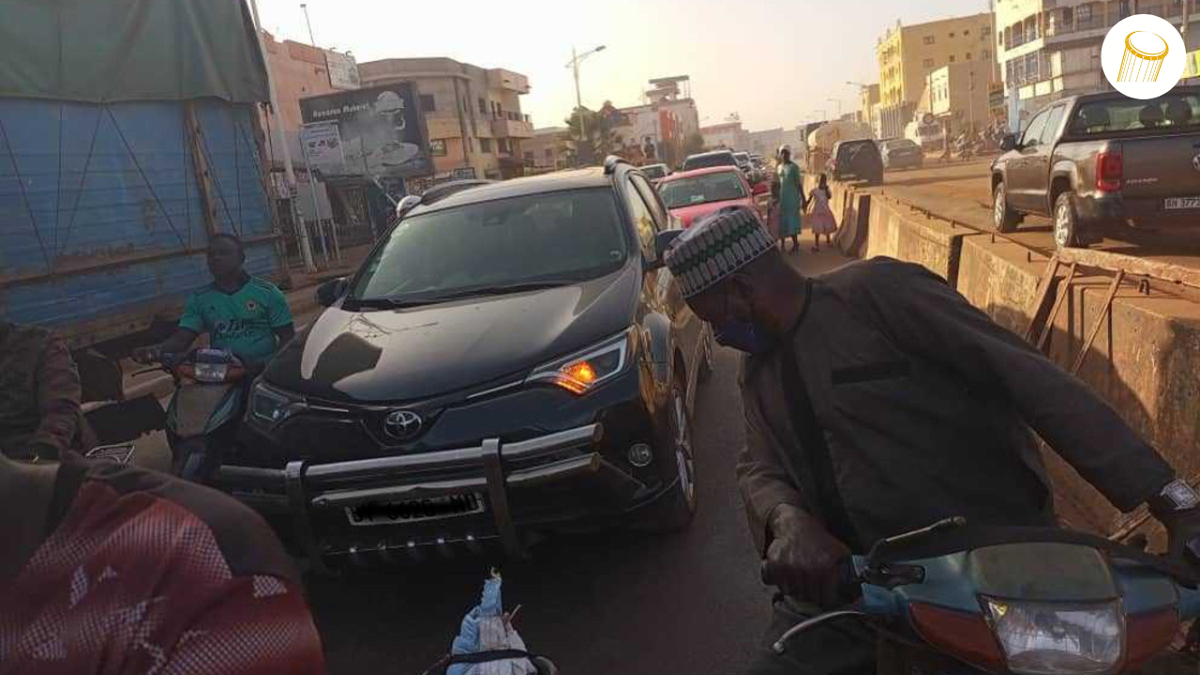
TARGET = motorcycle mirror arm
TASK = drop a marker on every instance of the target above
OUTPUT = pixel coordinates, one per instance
(936, 528)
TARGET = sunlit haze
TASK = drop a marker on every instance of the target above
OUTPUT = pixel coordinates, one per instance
(774, 62)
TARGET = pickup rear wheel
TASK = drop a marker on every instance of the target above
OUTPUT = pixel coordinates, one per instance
(1066, 223)
(1004, 219)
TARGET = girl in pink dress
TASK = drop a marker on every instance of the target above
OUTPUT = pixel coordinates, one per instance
(821, 216)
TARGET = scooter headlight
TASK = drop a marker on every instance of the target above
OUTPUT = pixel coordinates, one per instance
(1040, 638)
(271, 406)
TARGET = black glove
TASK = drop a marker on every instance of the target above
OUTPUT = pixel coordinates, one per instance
(1177, 507)
(804, 560)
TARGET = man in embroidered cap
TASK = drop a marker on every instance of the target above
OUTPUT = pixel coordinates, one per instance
(879, 401)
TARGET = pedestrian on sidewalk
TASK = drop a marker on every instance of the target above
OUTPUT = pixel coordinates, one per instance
(820, 215)
(791, 199)
(877, 401)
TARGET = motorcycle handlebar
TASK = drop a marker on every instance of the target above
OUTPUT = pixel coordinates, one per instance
(849, 586)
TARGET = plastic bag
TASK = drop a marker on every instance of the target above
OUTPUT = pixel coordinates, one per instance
(487, 628)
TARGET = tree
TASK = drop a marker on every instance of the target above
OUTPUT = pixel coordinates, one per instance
(598, 141)
(693, 144)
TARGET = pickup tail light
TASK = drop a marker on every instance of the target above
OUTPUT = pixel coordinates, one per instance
(1110, 171)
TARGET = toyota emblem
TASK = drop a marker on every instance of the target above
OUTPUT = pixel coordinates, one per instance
(403, 424)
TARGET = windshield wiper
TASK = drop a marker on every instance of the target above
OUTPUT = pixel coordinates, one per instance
(401, 302)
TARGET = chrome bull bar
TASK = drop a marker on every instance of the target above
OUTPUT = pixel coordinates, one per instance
(303, 486)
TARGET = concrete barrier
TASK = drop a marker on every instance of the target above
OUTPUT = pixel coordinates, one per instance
(1145, 361)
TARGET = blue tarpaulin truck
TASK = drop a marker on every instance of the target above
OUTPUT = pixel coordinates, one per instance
(129, 135)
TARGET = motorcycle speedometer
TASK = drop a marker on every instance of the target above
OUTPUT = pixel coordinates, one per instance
(211, 372)
(1047, 638)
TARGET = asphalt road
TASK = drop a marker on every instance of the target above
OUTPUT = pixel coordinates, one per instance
(963, 192)
(598, 604)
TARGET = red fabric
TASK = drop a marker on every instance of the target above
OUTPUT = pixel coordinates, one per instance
(137, 584)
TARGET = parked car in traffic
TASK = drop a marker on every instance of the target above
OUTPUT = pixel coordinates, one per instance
(509, 360)
(709, 159)
(1103, 161)
(901, 153)
(655, 172)
(856, 160)
(694, 194)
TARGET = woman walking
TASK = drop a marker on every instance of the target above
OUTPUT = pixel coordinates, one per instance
(791, 199)
(823, 222)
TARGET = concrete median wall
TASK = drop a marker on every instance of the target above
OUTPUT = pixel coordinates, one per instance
(1145, 361)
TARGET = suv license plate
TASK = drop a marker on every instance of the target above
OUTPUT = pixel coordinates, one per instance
(415, 510)
(1176, 203)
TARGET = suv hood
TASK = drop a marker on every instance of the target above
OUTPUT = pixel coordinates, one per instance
(401, 355)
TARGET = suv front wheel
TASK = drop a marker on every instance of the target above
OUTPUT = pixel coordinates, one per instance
(1004, 219)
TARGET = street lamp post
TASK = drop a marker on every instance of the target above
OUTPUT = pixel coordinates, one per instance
(311, 40)
(573, 64)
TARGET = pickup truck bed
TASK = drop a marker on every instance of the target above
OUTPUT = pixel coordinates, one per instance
(1103, 161)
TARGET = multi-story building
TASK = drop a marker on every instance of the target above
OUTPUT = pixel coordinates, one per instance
(665, 122)
(960, 96)
(473, 115)
(728, 135)
(908, 56)
(1048, 49)
(868, 99)
(546, 150)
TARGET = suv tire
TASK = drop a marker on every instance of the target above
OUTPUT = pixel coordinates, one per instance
(1004, 219)
(674, 510)
(1066, 221)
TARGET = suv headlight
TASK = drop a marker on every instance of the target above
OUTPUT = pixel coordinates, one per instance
(585, 370)
(1040, 638)
(271, 406)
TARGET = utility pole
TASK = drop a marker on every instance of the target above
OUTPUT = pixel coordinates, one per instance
(305, 244)
(573, 64)
(311, 40)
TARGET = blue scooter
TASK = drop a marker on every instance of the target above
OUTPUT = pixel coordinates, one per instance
(951, 599)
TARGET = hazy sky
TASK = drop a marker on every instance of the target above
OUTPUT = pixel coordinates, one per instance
(775, 62)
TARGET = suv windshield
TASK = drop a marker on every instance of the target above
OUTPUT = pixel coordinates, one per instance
(551, 238)
(711, 187)
(1169, 113)
(706, 161)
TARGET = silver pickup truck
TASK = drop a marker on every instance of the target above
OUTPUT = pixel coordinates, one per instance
(1100, 161)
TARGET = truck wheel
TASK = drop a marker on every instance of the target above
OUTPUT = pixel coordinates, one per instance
(1004, 219)
(1066, 223)
(673, 512)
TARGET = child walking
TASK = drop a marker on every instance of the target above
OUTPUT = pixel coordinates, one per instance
(823, 222)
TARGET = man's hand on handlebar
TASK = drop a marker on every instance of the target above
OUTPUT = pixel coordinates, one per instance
(804, 560)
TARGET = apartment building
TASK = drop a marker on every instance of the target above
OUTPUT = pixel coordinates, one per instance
(547, 150)
(908, 56)
(473, 114)
(1048, 49)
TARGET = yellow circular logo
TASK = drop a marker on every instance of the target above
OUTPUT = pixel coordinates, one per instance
(1143, 56)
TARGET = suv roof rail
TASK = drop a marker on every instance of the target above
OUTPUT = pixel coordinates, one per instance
(610, 164)
(437, 192)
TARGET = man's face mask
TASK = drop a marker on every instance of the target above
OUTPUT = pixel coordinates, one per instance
(741, 335)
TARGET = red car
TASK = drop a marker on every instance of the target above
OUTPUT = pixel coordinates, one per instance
(692, 194)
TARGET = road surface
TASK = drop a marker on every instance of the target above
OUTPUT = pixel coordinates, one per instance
(963, 192)
(598, 604)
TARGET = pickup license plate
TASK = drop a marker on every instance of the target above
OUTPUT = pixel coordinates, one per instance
(1177, 203)
(415, 510)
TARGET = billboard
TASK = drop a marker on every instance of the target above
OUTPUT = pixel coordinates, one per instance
(343, 70)
(381, 131)
(322, 144)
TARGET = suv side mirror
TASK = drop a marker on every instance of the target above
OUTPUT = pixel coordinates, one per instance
(662, 242)
(331, 291)
(1008, 143)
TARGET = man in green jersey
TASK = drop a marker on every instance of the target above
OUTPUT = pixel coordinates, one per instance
(245, 315)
